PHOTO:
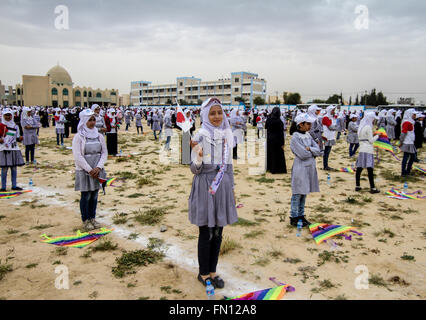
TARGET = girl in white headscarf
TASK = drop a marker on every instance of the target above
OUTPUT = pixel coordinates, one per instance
(390, 124)
(100, 121)
(382, 119)
(212, 201)
(366, 150)
(329, 134)
(156, 124)
(10, 155)
(29, 127)
(352, 137)
(407, 141)
(60, 126)
(138, 121)
(90, 153)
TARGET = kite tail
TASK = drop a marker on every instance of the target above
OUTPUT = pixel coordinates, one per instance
(356, 232)
(45, 236)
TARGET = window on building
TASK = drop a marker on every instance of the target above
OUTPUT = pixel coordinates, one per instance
(78, 104)
(90, 94)
(77, 93)
(65, 92)
(180, 92)
(85, 94)
(54, 104)
(237, 79)
(18, 92)
(113, 93)
(54, 92)
(181, 84)
(99, 95)
(236, 90)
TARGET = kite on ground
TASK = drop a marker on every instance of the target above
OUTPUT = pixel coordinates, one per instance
(323, 231)
(80, 240)
(12, 194)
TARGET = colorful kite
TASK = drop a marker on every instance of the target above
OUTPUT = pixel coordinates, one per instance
(12, 194)
(419, 169)
(268, 294)
(396, 194)
(80, 240)
(323, 231)
(350, 170)
(383, 141)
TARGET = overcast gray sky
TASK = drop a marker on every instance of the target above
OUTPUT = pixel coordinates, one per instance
(309, 46)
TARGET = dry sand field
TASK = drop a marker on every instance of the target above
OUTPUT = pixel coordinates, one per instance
(154, 193)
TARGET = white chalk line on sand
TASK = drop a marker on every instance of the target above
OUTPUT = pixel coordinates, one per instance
(234, 285)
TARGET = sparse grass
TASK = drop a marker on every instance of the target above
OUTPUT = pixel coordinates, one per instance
(265, 180)
(42, 227)
(323, 208)
(275, 253)
(133, 236)
(126, 175)
(408, 257)
(254, 234)
(61, 251)
(145, 182)
(2, 217)
(155, 243)
(76, 283)
(385, 232)
(228, 245)
(167, 289)
(31, 265)
(341, 297)
(11, 231)
(151, 216)
(135, 195)
(245, 223)
(261, 261)
(129, 260)
(4, 268)
(377, 281)
(119, 218)
(292, 260)
(105, 245)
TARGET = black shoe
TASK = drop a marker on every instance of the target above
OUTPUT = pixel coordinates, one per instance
(218, 282)
(17, 189)
(204, 282)
(305, 222)
(2, 190)
(357, 188)
(293, 221)
(374, 190)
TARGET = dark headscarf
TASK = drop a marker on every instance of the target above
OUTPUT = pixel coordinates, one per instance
(276, 113)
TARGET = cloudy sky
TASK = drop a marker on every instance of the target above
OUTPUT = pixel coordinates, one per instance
(315, 47)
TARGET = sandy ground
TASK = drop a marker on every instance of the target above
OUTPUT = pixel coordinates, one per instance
(391, 252)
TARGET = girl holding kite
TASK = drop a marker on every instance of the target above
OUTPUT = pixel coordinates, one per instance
(212, 201)
(407, 141)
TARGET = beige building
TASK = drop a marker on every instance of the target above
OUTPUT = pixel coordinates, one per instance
(56, 89)
(125, 100)
(191, 90)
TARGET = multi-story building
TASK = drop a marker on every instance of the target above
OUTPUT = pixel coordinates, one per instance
(56, 89)
(191, 90)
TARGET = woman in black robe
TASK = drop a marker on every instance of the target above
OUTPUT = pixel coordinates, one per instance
(74, 122)
(398, 127)
(275, 159)
(418, 133)
(67, 124)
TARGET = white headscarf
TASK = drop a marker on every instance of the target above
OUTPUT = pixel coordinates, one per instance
(389, 113)
(398, 114)
(312, 111)
(25, 115)
(328, 111)
(82, 128)
(408, 115)
(11, 123)
(368, 120)
(383, 113)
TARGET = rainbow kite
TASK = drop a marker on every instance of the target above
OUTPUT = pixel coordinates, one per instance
(12, 194)
(395, 194)
(419, 169)
(383, 141)
(80, 240)
(267, 294)
(350, 170)
(323, 231)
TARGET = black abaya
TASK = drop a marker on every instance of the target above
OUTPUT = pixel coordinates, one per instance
(275, 158)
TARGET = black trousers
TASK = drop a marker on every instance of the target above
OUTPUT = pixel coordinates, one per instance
(370, 177)
(209, 242)
(234, 152)
(29, 149)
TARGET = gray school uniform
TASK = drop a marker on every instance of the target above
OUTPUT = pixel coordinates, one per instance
(206, 209)
(156, 123)
(30, 135)
(100, 124)
(390, 127)
(316, 131)
(127, 118)
(92, 153)
(138, 118)
(304, 176)
(353, 132)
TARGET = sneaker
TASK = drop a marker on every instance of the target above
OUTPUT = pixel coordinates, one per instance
(17, 189)
(374, 190)
(357, 188)
(2, 190)
(27, 163)
(95, 224)
(293, 221)
(306, 223)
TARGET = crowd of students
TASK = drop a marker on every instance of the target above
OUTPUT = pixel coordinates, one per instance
(210, 153)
